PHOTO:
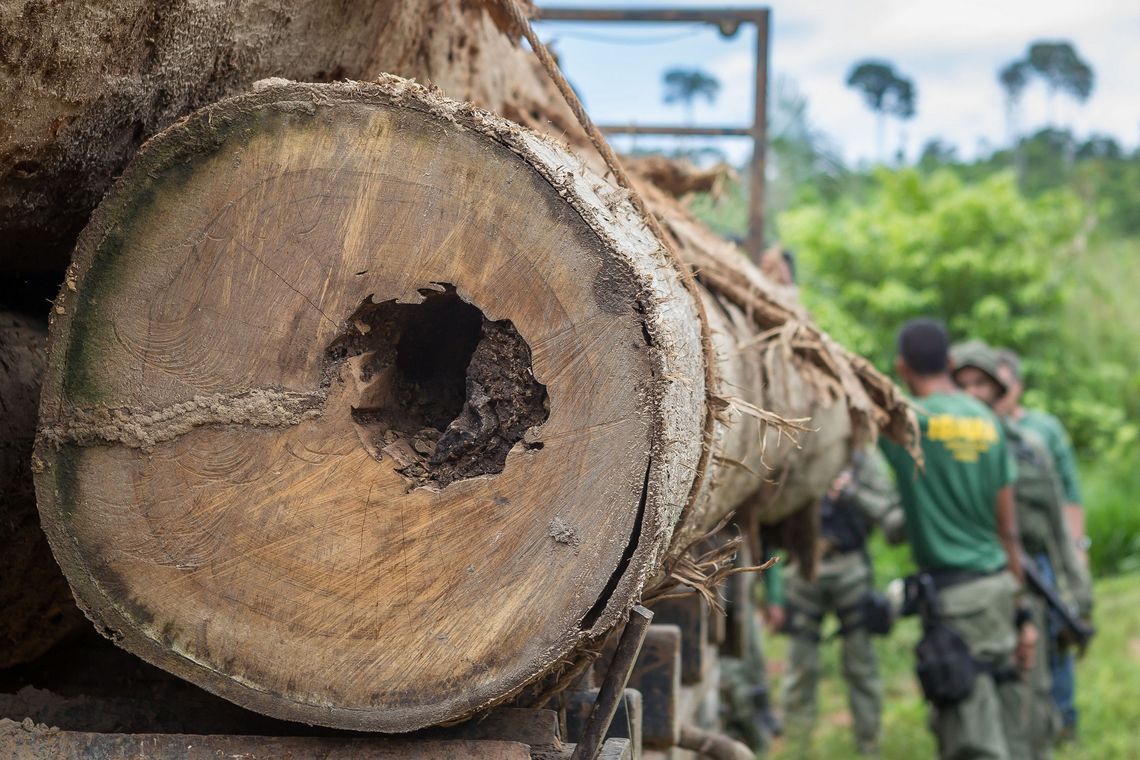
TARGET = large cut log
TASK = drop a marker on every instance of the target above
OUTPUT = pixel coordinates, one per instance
(368, 408)
(36, 608)
(365, 408)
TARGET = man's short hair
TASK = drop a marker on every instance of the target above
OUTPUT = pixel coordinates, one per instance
(1008, 358)
(924, 345)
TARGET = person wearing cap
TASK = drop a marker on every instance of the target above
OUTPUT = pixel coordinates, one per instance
(962, 529)
(1055, 434)
(1043, 533)
(1050, 429)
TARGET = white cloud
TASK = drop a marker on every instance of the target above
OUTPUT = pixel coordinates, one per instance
(951, 50)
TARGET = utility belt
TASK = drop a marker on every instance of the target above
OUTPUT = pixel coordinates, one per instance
(946, 668)
(872, 611)
(950, 577)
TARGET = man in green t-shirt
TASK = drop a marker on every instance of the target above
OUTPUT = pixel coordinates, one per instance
(1050, 429)
(962, 528)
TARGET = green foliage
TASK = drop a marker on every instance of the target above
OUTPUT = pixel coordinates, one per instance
(727, 215)
(980, 256)
(1100, 338)
(1112, 520)
(1108, 679)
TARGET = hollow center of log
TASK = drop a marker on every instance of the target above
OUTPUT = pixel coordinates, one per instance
(436, 387)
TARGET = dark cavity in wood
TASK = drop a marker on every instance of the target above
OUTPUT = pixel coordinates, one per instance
(439, 389)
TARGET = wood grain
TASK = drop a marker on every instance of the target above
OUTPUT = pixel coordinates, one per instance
(273, 559)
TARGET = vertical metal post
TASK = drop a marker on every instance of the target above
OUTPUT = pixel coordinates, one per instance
(613, 686)
(755, 242)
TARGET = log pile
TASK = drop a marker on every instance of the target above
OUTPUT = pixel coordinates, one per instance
(369, 408)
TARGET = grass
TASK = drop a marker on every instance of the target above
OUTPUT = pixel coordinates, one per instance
(1108, 689)
(1112, 518)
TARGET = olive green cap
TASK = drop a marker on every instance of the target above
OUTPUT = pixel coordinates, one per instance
(979, 355)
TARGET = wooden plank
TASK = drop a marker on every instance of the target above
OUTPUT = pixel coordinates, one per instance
(26, 741)
(657, 675)
(537, 728)
(691, 615)
(613, 749)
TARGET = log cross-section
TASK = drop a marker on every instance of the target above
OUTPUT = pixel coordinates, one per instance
(365, 408)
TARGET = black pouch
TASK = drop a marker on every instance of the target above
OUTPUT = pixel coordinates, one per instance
(946, 669)
(878, 618)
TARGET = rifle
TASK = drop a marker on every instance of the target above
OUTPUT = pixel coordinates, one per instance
(1074, 629)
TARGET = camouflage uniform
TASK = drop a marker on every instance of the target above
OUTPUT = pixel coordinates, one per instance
(1044, 536)
(843, 580)
(745, 700)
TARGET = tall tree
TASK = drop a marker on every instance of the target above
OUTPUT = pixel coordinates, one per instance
(885, 92)
(685, 86)
(902, 102)
(937, 153)
(1013, 78)
(1062, 69)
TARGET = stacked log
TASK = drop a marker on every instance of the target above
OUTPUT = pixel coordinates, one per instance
(368, 408)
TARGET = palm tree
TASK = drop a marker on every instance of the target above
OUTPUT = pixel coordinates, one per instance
(1062, 69)
(885, 92)
(684, 86)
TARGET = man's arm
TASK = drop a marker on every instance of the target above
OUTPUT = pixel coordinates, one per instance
(1075, 522)
(1068, 565)
(1006, 512)
(1007, 531)
(875, 495)
(1061, 447)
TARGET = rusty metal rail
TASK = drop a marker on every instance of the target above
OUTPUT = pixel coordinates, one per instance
(728, 22)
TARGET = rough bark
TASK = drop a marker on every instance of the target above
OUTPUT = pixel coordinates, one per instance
(36, 607)
(85, 83)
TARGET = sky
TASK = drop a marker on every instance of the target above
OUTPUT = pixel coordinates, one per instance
(952, 51)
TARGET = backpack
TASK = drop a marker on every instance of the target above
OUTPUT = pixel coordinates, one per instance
(1037, 489)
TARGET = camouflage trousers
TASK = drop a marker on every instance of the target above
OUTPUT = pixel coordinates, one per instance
(840, 586)
(992, 722)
